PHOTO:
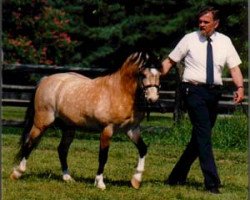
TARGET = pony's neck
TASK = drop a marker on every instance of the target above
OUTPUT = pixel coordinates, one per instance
(127, 76)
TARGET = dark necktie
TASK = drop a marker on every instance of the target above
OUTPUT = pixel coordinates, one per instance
(210, 67)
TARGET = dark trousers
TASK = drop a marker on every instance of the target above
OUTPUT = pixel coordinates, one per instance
(201, 102)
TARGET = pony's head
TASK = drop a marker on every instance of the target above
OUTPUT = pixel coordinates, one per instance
(148, 68)
(150, 76)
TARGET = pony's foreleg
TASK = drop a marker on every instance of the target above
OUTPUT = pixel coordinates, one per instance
(103, 155)
(19, 170)
(63, 148)
(135, 136)
(26, 148)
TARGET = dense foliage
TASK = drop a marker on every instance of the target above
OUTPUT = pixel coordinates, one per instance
(100, 33)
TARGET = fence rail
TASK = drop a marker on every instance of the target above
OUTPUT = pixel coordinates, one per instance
(18, 94)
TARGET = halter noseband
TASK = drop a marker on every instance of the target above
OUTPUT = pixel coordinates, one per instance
(145, 87)
(147, 65)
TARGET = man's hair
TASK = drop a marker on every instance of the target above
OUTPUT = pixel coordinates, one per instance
(208, 9)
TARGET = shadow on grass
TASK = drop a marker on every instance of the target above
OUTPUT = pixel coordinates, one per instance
(45, 176)
(89, 181)
(48, 175)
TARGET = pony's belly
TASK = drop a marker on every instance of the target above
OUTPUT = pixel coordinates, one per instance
(93, 124)
(100, 122)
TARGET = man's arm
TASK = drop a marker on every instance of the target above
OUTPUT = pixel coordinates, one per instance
(166, 65)
(238, 81)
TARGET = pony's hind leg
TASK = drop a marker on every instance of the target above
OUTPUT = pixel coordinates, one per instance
(30, 139)
(68, 134)
(27, 145)
(135, 136)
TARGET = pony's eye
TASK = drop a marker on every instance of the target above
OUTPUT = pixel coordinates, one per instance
(143, 76)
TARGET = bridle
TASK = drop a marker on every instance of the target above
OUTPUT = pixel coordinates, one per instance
(144, 87)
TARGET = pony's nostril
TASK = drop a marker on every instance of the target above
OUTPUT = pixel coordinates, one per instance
(153, 99)
(150, 101)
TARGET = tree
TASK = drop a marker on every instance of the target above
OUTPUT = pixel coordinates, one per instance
(101, 33)
(36, 33)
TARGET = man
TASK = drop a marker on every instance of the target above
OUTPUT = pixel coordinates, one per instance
(205, 53)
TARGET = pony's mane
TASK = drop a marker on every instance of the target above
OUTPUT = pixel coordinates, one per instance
(136, 58)
(147, 59)
(143, 58)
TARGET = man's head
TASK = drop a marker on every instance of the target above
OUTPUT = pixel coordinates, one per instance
(208, 19)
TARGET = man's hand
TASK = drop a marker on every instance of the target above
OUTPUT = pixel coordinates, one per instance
(239, 95)
(166, 65)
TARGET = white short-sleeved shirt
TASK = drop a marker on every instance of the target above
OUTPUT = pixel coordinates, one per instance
(193, 48)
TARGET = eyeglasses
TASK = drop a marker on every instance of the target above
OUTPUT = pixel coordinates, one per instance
(205, 22)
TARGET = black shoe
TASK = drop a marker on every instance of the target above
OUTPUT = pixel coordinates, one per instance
(175, 182)
(214, 190)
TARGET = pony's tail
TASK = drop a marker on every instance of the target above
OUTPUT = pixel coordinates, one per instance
(28, 123)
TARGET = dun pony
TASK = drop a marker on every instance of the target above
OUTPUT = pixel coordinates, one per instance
(108, 102)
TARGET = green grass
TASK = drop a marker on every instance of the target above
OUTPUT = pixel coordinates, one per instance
(43, 177)
(166, 143)
(13, 113)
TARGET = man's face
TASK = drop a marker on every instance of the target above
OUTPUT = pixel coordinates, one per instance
(207, 24)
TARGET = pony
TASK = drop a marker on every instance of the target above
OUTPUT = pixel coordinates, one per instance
(108, 102)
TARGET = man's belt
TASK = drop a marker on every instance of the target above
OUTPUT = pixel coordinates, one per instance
(207, 86)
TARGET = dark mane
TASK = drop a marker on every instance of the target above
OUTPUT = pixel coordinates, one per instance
(150, 59)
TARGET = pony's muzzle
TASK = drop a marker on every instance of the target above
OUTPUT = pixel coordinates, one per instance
(152, 94)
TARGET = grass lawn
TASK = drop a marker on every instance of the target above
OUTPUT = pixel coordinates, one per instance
(43, 177)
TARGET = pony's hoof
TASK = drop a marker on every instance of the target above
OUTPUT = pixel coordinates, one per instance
(68, 178)
(135, 183)
(99, 182)
(101, 186)
(15, 175)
